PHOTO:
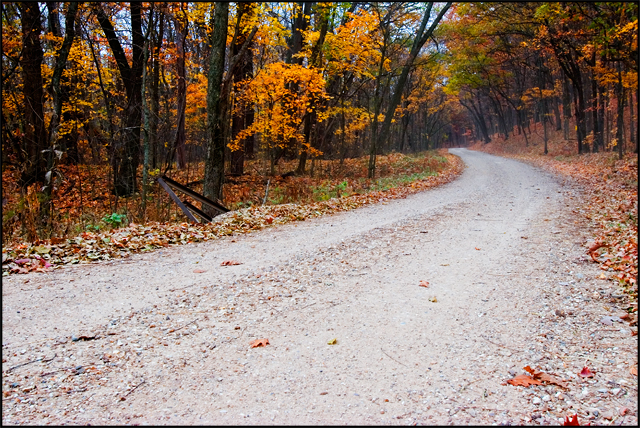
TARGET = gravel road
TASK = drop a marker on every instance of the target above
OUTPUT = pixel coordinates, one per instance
(146, 340)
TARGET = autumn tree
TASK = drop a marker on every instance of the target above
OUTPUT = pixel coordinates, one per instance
(242, 118)
(129, 150)
(425, 31)
(35, 135)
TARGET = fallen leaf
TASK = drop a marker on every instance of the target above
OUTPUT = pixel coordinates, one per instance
(594, 247)
(324, 393)
(545, 377)
(623, 411)
(199, 271)
(433, 299)
(524, 237)
(424, 284)
(585, 372)
(259, 342)
(477, 248)
(633, 371)
(332, 342)
(230, 263)
(269, 219)
(42, 249)
(572, 422)
(523, 380)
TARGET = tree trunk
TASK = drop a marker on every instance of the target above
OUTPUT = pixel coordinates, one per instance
(633, 123)
(478, 116)
(35, 136)
(182, 27)
(315, 60)
(600, 118)
(597, 131)
(377, 102)
(60, 65)
(214, 162)
(578, 103)
(566, 105)
(125, 177)
(155, 93)
(242, 119)
(145, 118)
(620, 111)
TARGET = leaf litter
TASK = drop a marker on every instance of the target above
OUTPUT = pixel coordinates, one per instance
(44, 255)
(537, 377)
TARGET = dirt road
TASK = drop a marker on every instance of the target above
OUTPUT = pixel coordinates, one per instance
(147, 340)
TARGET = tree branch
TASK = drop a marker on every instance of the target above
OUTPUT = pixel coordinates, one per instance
(116, 48)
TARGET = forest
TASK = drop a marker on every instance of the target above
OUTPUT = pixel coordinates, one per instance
(315, 99)
(320, 213)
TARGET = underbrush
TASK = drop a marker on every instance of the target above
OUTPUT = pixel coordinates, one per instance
(118, 234)
(611, 204)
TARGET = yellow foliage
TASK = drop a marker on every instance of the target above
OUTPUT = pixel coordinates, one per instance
(281, 95)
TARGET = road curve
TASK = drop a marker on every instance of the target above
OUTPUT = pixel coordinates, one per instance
(173, 343)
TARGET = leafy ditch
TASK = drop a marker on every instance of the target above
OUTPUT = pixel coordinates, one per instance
(45, 255)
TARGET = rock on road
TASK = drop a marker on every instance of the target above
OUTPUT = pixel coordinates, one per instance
(499, 247)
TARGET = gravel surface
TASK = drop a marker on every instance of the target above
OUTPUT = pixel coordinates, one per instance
(147, 340)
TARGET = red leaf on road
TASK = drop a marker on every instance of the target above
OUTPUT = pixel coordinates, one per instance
(424, 284)
(585, 372)
(199, 271)
(572, 422)
(230, 263)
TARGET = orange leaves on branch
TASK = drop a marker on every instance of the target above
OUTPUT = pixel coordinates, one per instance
(282, 94)
(259, 342)
(230, 263)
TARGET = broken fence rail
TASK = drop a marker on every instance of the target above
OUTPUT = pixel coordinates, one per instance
(189, 209)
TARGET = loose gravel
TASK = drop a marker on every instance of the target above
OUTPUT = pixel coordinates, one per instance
(147, 340)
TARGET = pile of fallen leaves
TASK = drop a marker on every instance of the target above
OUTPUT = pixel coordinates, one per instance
(42, 256)
(611, 206)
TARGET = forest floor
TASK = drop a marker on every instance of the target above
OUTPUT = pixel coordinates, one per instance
(414, 310)
(83, 204)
